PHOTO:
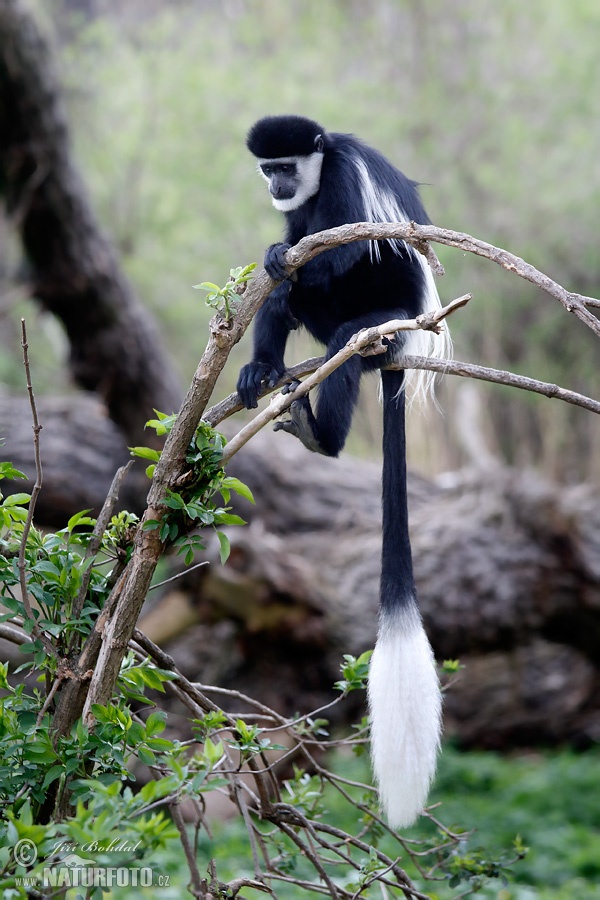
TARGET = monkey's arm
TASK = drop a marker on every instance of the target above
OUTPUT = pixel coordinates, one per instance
(320, 271)
(272, 324)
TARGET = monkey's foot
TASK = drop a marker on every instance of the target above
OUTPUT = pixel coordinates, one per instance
(302, 423)
(291, 386)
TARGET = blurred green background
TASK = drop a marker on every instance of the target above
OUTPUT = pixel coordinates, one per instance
(493, 107)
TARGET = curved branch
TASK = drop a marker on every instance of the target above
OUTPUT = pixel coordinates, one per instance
(417, 235)
(14, 635)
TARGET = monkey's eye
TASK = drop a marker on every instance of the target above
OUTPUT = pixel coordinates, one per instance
(286, 169)
(267, 171)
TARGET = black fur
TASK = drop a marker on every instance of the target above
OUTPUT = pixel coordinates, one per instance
(275, 137)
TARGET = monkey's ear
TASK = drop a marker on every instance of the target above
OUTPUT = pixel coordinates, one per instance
(319, 143)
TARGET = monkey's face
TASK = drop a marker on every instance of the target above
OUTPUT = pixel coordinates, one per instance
(292, 180)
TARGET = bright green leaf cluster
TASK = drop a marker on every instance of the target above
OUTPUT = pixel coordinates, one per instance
(224, 299)
(11, 507)
(248, 741)
(355, 672)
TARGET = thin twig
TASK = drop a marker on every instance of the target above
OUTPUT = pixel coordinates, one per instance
(232, 404)
(243, 808)
(178, 575)
(21, 564)
(97, 535)
(498, 376)
(51, 693)
(312, 857)
(198, 883)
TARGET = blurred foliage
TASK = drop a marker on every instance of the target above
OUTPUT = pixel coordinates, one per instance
(493, 107)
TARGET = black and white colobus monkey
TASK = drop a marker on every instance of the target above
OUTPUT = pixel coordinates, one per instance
(319, 180)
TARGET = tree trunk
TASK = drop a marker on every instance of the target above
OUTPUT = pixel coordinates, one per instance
(72, 267)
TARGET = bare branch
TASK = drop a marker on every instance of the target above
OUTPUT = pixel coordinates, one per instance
(233, 404)
(12, 634)
(498, 376)
(98, 533)
(21, 565)
(198, 885)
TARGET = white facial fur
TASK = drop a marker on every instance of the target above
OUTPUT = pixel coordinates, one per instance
(308, 170)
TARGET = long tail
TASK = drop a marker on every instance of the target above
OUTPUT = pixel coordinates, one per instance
(404, 692)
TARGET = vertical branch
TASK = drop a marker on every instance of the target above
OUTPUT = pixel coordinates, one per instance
(101, 525)
(37, 631)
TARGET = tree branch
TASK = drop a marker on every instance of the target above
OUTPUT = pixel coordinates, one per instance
(21, 564)
(98, 533)
(498, 376)
(223, 335)
(12, 634)
(416, 235)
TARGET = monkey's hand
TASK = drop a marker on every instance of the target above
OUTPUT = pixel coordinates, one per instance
(302, 423)
(274, 263)
(251, 378)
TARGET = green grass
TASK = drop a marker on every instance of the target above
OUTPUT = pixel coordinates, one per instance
(552, 800)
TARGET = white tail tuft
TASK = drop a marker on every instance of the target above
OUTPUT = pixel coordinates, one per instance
(405, 708)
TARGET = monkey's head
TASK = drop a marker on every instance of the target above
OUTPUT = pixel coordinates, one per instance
(289, 151)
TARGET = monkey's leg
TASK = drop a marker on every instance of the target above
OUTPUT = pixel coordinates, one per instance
(326, 432)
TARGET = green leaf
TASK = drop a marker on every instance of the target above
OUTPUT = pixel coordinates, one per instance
(213, 751)
(145, 453)
(224, 547)
(17, 499)
(238, 487)
(151, 525)
(80, 518)
(146, 756)
(7, 470)
(155, 723)
(228, 519)
(51, 775)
